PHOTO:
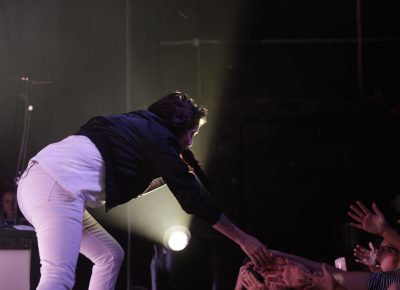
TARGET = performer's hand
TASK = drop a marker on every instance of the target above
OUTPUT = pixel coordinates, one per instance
(255, 250)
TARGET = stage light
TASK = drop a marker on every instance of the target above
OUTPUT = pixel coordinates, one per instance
(177, 238)
(151, 215)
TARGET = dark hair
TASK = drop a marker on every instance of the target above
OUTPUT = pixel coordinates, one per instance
(179, 112)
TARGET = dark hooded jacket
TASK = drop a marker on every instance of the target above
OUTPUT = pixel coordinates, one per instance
(138, 147)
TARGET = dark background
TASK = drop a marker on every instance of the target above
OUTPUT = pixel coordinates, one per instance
(303, 105)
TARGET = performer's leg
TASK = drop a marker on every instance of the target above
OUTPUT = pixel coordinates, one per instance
(56, 215)
(104, 251)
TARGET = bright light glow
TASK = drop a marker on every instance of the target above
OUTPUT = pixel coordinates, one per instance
(149, 216)
(176, 238)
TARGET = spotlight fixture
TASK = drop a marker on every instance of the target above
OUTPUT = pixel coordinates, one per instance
(177, 238)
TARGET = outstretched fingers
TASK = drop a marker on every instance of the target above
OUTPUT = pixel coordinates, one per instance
(357, 210)
(363, 208)
(274, 278)
(357, 218)
(377, 211)
(261, 256)
(371, 246)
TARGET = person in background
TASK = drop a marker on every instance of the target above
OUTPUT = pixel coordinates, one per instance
(8, 208)
(10, 214)
(374, 222)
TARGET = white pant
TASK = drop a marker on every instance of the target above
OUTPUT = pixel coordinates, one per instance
(64, 228)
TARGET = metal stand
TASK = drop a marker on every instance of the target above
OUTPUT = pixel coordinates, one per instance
(28, 108)
(24, 138)
(25, 131)
(128, 103)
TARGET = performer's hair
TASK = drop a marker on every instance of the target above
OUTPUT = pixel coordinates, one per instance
(179, 112)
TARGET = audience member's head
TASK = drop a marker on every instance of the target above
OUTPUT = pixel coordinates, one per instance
(388, 257)
(8, 204)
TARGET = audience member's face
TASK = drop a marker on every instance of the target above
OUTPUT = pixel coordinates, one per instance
(186, 140)
(388, 257)
(8, 204)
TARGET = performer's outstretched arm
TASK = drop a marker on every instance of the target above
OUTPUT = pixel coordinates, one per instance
(252, 247)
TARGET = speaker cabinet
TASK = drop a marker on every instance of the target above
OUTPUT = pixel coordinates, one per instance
(19, 260)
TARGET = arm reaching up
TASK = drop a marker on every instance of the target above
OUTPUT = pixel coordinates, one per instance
(373, 222)
(367, 257)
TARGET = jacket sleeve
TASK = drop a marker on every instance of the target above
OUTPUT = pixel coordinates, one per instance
(191, 196)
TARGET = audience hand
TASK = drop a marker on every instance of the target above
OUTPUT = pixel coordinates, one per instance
(374, 223)
(272, 273)
(248, 280)
(294, 275)
(365, 256)
(323, 282)
(275, 265)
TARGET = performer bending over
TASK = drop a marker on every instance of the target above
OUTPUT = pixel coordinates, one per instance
(114, 159)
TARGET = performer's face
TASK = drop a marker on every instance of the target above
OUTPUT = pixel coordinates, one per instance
(186, 140)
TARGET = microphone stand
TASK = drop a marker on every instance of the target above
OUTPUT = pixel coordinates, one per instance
(21, 163)
(28, 108)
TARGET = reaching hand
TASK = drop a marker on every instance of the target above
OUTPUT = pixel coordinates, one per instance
(294, 275)
(325, 281)
(275, 281)
(374, 223)
(365, 256)
(272, 273)
(275, 265)
(255, 250)
(248, 280)
(251, 283)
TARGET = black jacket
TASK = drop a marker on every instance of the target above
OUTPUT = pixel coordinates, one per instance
(138, 147)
